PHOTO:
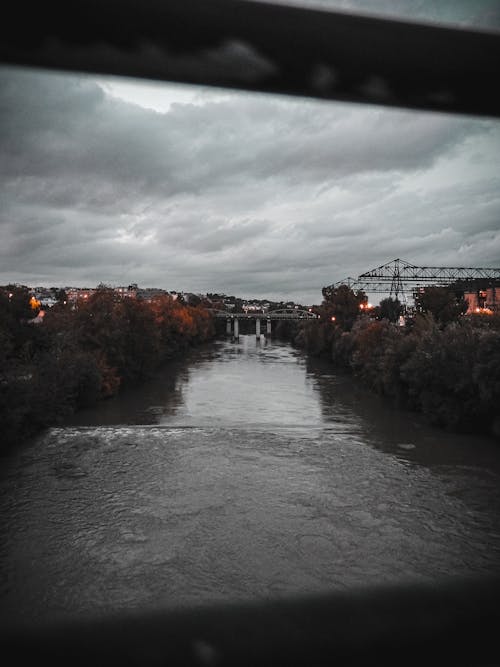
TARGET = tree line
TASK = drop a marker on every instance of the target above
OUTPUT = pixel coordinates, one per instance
(441, 363)
(79, 355)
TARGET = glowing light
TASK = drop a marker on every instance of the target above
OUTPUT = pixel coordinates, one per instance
(333, 318)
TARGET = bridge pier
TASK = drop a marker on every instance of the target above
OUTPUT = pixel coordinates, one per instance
(236, 334)
(268, 328)
(257, 328)
(228, 326)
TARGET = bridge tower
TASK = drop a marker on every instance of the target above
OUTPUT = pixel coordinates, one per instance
(396, 282)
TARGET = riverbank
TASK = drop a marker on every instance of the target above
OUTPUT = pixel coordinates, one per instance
(79, 356)
(449, 373)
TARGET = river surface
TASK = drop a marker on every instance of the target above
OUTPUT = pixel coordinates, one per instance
(245, 472)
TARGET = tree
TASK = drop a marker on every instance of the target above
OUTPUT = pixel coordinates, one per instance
(141, 340)
(16, 313)
(343, 304)
(62, 297)
(442, 302)
(440, 375)
(390, 309)
(15, 303)
(102, 330)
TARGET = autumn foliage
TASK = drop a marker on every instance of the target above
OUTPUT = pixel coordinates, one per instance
(442, 363)
(448, 369)
(83, 354)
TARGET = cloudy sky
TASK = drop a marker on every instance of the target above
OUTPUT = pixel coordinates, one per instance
(187, 188)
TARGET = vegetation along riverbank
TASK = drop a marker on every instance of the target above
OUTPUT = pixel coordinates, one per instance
(83, 353)
(439, 362)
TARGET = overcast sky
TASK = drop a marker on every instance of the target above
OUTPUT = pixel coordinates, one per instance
(195, 189)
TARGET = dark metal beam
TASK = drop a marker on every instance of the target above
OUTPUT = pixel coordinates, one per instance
(264, 47)
(441, 274)
(448, 623)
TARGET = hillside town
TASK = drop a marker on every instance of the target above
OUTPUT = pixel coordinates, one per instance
(476, 299)
(47, 297)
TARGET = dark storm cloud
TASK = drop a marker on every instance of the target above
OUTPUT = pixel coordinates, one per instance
(100, 140)
(239, 193)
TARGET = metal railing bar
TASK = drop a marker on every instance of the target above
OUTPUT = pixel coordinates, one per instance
(450, 623)
(262, 47)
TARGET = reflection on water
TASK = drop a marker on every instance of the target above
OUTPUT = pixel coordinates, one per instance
(258, 384)
(245, 382)
(245, 472)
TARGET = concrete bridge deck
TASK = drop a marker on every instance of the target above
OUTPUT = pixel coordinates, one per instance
(232, 319)
(283, 314)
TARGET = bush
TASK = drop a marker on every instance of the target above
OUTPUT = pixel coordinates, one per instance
(450, 373)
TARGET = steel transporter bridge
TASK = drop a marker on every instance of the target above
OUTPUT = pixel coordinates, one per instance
(399, 278)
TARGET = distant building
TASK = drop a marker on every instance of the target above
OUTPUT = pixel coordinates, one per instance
(482, 300)
(252, 308)
(191, 298)
(150, 293)
(129, 292)
(75, 294)
(45, 301)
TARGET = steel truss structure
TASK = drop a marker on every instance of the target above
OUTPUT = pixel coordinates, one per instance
(400, 278)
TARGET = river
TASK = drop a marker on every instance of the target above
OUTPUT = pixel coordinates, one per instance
(244, 472)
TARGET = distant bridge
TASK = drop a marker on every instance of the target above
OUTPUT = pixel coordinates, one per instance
(400, 277)
(232, 319)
